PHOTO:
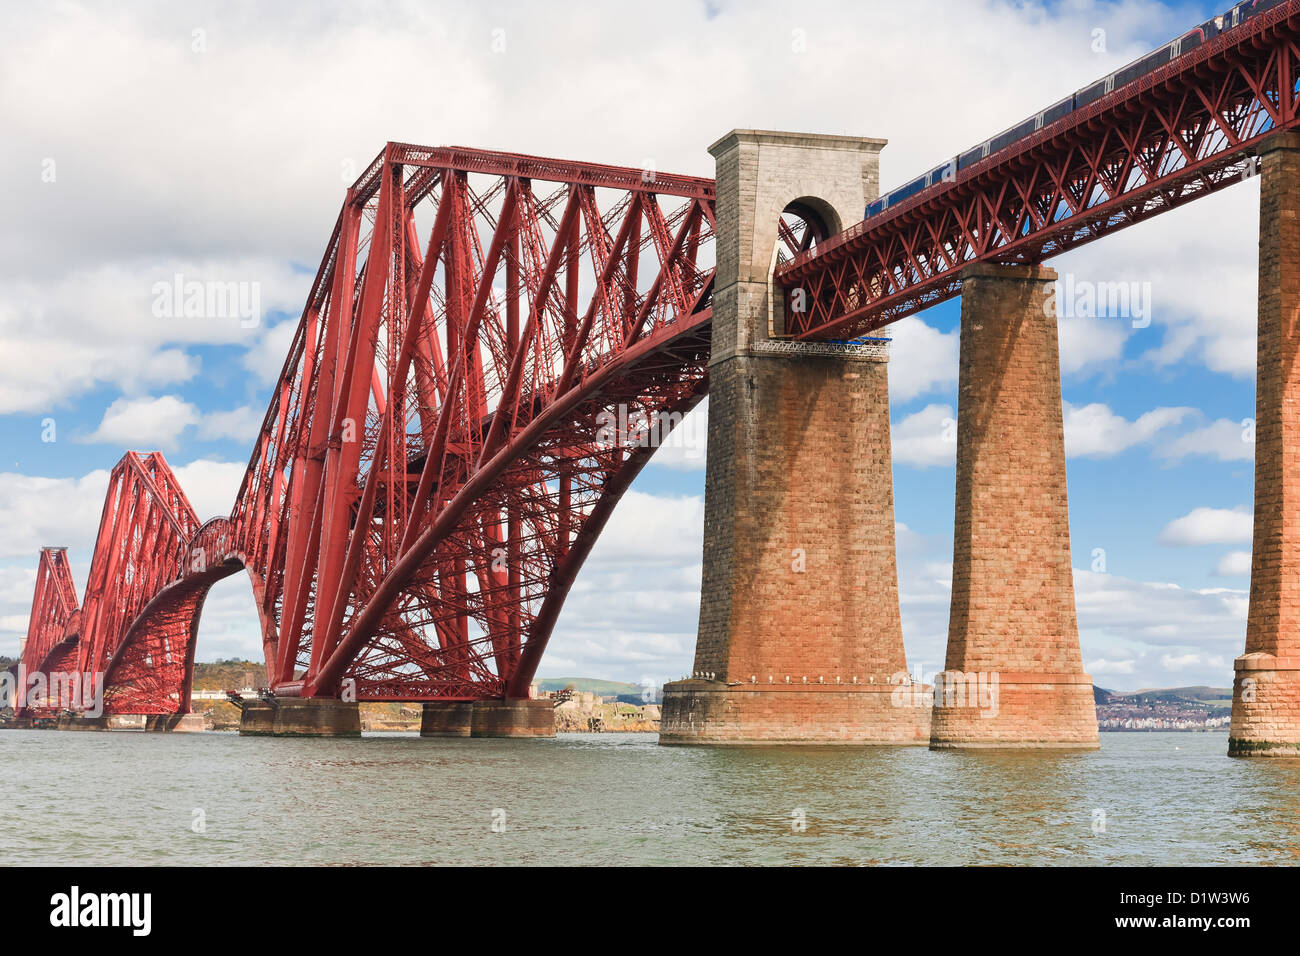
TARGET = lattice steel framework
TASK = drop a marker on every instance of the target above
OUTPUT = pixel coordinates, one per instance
(448, 435)
(52, 628)
(435, 463)
(53, 606)
(1185, 130)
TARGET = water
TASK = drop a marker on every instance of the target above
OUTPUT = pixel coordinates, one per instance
(130, 798)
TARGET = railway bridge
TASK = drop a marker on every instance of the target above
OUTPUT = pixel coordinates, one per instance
(436, 463)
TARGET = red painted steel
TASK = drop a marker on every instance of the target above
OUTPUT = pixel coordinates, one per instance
(432, 467)
(1187, 129)
(441, 450)
(55, 618)
(53, 606)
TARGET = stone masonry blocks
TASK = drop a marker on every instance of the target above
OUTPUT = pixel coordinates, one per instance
(1266, 691)
(1012, 611)
(800, 580)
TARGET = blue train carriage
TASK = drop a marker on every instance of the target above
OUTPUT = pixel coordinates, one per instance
(1211, 28)
(944, 172)
(1018, 132)
(1189, 41)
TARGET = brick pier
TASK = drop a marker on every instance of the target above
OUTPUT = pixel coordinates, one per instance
(1266, 689)
(799, 632)
(1012, 627)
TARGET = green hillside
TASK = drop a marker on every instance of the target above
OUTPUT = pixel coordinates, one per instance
(602, 688)
(1186, 693)
(227, 675)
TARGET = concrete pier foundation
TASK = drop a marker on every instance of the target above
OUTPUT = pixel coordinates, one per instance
(1266, 688)
(300, 717)
(799, 635)
(1014, 672)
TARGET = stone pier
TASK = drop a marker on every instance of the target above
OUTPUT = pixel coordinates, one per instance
(175, 723)
(799, 633)
(300, 717)
(78, 722)
(446, 718)
(512, 718)
(1014, 673)
(1266, 688)
(488, 718)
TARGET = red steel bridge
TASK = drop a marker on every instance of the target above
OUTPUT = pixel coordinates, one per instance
(431, 472)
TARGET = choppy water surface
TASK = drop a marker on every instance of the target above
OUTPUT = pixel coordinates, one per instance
(130, 798)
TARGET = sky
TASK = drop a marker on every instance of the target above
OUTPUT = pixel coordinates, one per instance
(215, 141)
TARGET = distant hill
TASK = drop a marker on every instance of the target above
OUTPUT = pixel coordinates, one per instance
(1198, 692)
(228, 675)
(1101, 695)
(1213, 699)
(602, 688)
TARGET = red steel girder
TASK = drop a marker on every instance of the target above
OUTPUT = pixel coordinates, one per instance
(1188, 128)
(436, 461)
(146, 522)
(53, 605)
(431, 470)
(152, 668)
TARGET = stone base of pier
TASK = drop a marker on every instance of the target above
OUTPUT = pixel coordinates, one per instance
(1031, 711)
(175, 723)
(70, 722)
(447, 718)
(707, 712)
(1265, 707)
(512, 718)
(300, 717)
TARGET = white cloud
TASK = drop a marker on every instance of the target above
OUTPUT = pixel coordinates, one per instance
(1209, 526)
(50, 512)
(1203, 301)
(1102, 666)
(98, 326)
(1087, 341)
(1094, 431)
(926, 438)
(211, 486)
(1222, 439)
(229, 626)
(634, 608)
(240, 424)
(1233, 564)
(145, 424)
(266, 360)
(921, 359)
(1179, 662)
(929, 437)
(1159, 614)
(648, 528)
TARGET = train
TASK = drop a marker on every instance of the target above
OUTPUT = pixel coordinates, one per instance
(947, 171)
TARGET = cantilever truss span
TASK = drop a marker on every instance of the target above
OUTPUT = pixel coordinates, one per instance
(437, 459)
